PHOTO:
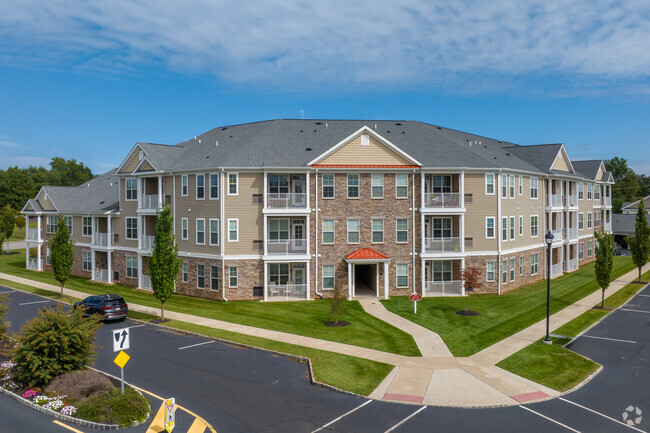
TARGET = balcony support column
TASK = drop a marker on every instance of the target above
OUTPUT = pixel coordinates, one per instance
(308, 278)
(109, 265)
(385, 280)
(422, 275)
(26, 256)
(92, 265)
(349, 281)
(160, 192)
(139, 271)
(266, 276)
(38, 228)
(109, 232)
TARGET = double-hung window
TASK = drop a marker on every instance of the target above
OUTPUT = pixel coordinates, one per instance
(590, 247)
(512, 228)
(214, 186)
(512, 269)
(86, 257)
(581, 251)
(214, 278)
(184, 272)
(504, 186)
(489, 184)
(86, 226)
(132, 189)
(377, 231)
(589, 224)
(534, 226)
(581, 191)
(353, 231)
(328, 186)
(581, 221)
(200, 276)
(521, 185)
(504, 229)
(232, 183)
(402, 228)
(534, 264)
(233, 276)
(353, 186)
(489, 271)
(131, 267)
(377, 185)
(67, 220)
(504, 271)
(401, 185)
(596, 192)
(200, 186)
(534, 187)
(588, 191)
(200, 231)
(52, 223)
(328, 231)
(596, 219)
(521, 225)
(489, 227)
(184, 229)
(233, 230)
(131, 227)
(402, 271)
(214, 231)
(442, 270)
(521, 265)
(328, 277)
(184, 186)
(512, 186)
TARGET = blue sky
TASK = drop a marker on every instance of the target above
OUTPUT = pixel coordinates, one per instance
(88, 80)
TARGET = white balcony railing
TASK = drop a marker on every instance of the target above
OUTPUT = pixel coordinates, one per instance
(146, 242)
(608, 227)
(572, 233)
(443, 288)
(146, 282)
(606, 201)
(286, 292)
(34, 264)
(442, 245)
(572, 200)
(555, 200)
(557, 235)
(571, 265)
(284, 247)
(100, 239)
(149, 201)
(101, 275)
(556, 270)
(31, 234)
(286, 200)
(442, 200)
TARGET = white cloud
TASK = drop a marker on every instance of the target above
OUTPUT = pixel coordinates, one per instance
(300, 44)
(24, 161)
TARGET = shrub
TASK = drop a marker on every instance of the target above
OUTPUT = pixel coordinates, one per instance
(54, 343)
(114, 408)
(79, 385)
(3, 313)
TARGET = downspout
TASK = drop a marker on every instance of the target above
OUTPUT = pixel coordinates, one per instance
(499, 224)
(316, 232)
(223, 239)
(413, 224)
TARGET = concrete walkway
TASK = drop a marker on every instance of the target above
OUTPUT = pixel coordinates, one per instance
(436, 378)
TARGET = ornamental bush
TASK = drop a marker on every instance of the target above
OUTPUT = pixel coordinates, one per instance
(54, 343)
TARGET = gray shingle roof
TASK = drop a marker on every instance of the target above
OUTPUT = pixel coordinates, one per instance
(623, 224)
(99, 195)
(36, 206)
(589, 168)
(162, 156)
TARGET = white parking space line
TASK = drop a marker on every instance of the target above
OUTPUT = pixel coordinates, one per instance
(136, 326)
(645, 296)
(610, 339)
(194, 345)
(9, 291)
(550, 419)
(342, 416)
(36, 302)
(603, 415)
(635, 311)
(405, 419)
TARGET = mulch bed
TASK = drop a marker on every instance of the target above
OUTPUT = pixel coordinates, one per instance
(467, 313)
(339, 324)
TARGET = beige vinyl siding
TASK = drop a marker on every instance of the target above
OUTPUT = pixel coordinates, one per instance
(192, 209)
(599, 175)
(145, 167)
(45, 203)
(129, 209)
(482, 206)
(133, 163)
(251, 220)
(354, 153)
(76, 230)
(525, 206)
(561, 163)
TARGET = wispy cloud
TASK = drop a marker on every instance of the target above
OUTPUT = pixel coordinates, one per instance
(23, 161)
(464, 45)
(8, 143)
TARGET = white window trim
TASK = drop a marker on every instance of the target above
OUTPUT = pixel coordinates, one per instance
(504, 280)
(494, 184)
(347, 183)
(531, 225)
(512, 227)
(230, 277)
(397, 275)
(407, 231)
(493, 271)
(72, 223)
(237, 231)
(126, 228)
(209, 187)
(196, 230)
(493, 227)
(187, 232)
(583, 220)
(196, 186)
(216, 289)
(137, 187)
(501, 229)
(536, 188)
(322, 231)
(512, 271)
(236, 183)
(521, 185)
(210, 231)
(322, 189)
(187, 185)
(406, 186)
(512, 186)
(333, 278)
(376, 186)
(197, 276)
(91, 226)
(521, 265)
(126, 266)
(590, 221)
(85, 254)
(581, 186)
(372, 231)
(348, 230)
(185, 267)
(521, 225)
(536, 264)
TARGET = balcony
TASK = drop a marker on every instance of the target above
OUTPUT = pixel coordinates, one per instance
(556, 270)
(285, 247)
(555, 200)
(571, 233)
(100, 239)
(606, 201)
(571, 265)
(31, 234)
(101, 275)
(146, 282)
(286, 292)
(34, 264)
(557, 235)
(442, 245)
(286, 201)
(442, 200)
(146, 242)
(572, 200)
(148, 202)
(443, 288)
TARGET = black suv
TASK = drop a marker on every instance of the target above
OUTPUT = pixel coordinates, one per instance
(111, 307)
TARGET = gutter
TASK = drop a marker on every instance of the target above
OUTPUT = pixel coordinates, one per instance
(223, 239)
(499, 223)
(316, 233)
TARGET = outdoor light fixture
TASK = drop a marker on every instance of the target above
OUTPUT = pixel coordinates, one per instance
(549, 240)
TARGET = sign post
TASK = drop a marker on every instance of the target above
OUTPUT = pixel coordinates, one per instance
(415, 297)
(120, 344)
(170, 414)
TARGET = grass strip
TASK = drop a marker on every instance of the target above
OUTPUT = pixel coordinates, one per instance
(301, 318)
(500, 315)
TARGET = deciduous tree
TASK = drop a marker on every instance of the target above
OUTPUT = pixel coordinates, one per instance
(61, 253)
(639, 244)
(471, 278)
(164, 263)
(604, 262)
(7, 221)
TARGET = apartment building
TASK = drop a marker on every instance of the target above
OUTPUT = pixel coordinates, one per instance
(291, 209)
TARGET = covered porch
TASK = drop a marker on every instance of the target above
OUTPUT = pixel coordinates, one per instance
(366, 269)
(442, 277)
(286, 281)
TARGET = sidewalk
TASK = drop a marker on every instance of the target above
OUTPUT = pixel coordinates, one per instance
(436, 378)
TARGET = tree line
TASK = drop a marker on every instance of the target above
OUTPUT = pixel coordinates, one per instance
(628, 186)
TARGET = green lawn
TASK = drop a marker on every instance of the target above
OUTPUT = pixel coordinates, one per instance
(357, 375)
(302, 318)
(500, 316)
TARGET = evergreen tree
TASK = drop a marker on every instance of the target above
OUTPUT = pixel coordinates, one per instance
(164, 264)
(61, 253)
(7, 221)
(604, 262)
(640, 243)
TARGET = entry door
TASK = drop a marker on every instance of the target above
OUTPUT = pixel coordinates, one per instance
(299, 241)
(299, 191)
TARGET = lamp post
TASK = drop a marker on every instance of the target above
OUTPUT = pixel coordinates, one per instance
(549, 240)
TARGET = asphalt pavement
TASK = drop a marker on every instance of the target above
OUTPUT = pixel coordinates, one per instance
(244, 390)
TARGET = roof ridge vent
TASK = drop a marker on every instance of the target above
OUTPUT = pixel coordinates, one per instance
(217, 143)
(375, 126)
(325, 124)
(199, 140)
